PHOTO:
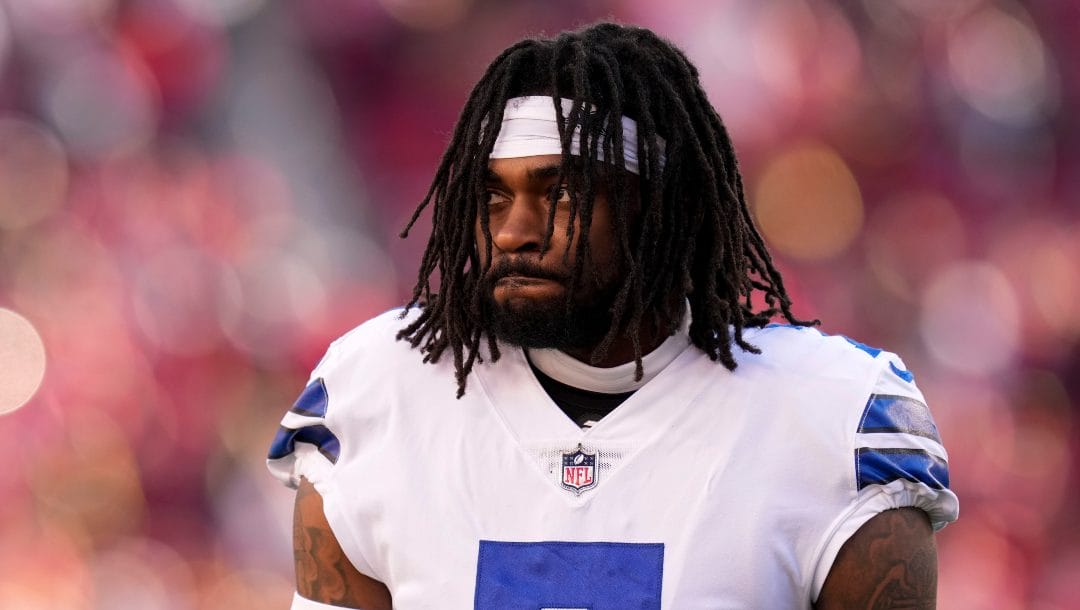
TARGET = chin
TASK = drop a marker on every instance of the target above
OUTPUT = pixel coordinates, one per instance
(525, 296)
(529, 307)
(533, 322)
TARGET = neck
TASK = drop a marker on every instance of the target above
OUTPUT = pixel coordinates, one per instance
(650, 334)
(616, 373)
(621, 349)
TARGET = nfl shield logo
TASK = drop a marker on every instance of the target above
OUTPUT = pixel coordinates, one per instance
(578, 470)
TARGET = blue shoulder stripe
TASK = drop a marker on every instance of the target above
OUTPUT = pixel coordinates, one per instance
(906, 375)
(886, 413)
(873, 351)
(882, 466)
(286, 438)
(313, 400)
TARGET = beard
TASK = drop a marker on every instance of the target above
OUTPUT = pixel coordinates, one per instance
(566, 323)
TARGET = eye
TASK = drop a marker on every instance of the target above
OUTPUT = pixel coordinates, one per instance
(496, 198)
(560, 194)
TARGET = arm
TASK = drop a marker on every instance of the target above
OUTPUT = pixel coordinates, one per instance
(890, 562)
(323, 573)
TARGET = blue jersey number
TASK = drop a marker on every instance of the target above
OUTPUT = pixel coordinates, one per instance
(568, 575)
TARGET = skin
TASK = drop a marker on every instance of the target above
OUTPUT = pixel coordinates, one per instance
(323, 573)
(518, 209)
(889, 563)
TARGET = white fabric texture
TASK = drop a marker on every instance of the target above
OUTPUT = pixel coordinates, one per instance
(748, 478)
(529, 127)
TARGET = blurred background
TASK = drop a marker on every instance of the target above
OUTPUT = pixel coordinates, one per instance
(196, 196)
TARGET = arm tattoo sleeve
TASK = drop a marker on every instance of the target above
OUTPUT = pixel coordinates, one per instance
(889, 564)
(323, 573)
(903, 581)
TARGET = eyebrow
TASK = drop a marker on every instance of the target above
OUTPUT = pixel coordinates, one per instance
(544, 172)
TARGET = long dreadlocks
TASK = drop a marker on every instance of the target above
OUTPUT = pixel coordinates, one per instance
(691, 237)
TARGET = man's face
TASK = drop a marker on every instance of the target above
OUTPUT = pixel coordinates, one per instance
(525, 294)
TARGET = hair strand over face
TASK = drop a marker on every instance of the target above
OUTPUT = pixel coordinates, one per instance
(692, 238)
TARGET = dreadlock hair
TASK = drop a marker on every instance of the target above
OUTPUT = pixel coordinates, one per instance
(691, 237)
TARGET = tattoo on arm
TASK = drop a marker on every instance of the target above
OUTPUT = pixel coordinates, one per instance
(323, 573)
(889, 564)
(904, 582)
(321, 579)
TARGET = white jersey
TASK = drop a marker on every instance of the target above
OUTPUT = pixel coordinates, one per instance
(707, 488)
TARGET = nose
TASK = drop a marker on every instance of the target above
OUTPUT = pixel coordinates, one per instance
(519, 225)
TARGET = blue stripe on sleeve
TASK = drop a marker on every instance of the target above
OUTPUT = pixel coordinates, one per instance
(873, 351)
(286, 438)
(883, 466)
(313, 400)
(906, 375)
(886, 413)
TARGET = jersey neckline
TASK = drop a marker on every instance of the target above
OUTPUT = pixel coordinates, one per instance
(570, 371)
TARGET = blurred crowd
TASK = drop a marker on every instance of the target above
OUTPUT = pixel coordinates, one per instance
(196, 196)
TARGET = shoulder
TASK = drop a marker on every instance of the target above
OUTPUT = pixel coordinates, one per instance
(372, 344)
(368, 369)
(344, 398)
(380, 330)
(808, 351)
(833, 379)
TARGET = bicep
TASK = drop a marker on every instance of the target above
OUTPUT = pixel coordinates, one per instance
(323, 573)
(890, 562)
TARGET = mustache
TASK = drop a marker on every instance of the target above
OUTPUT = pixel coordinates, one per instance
(524, 267)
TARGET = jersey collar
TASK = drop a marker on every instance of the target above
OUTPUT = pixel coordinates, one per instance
(612, 380)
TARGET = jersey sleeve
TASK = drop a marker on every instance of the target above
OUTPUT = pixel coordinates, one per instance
(313, 442)
(305, 444)
(898, 459)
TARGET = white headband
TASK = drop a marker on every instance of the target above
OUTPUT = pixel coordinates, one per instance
(529, 127)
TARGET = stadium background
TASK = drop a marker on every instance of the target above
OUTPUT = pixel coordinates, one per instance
(196, 196)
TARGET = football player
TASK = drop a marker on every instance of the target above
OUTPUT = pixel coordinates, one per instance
(584, 404)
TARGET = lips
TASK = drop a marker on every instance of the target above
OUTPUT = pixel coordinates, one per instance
(522, 280)
(521, 277)
(523, 271)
